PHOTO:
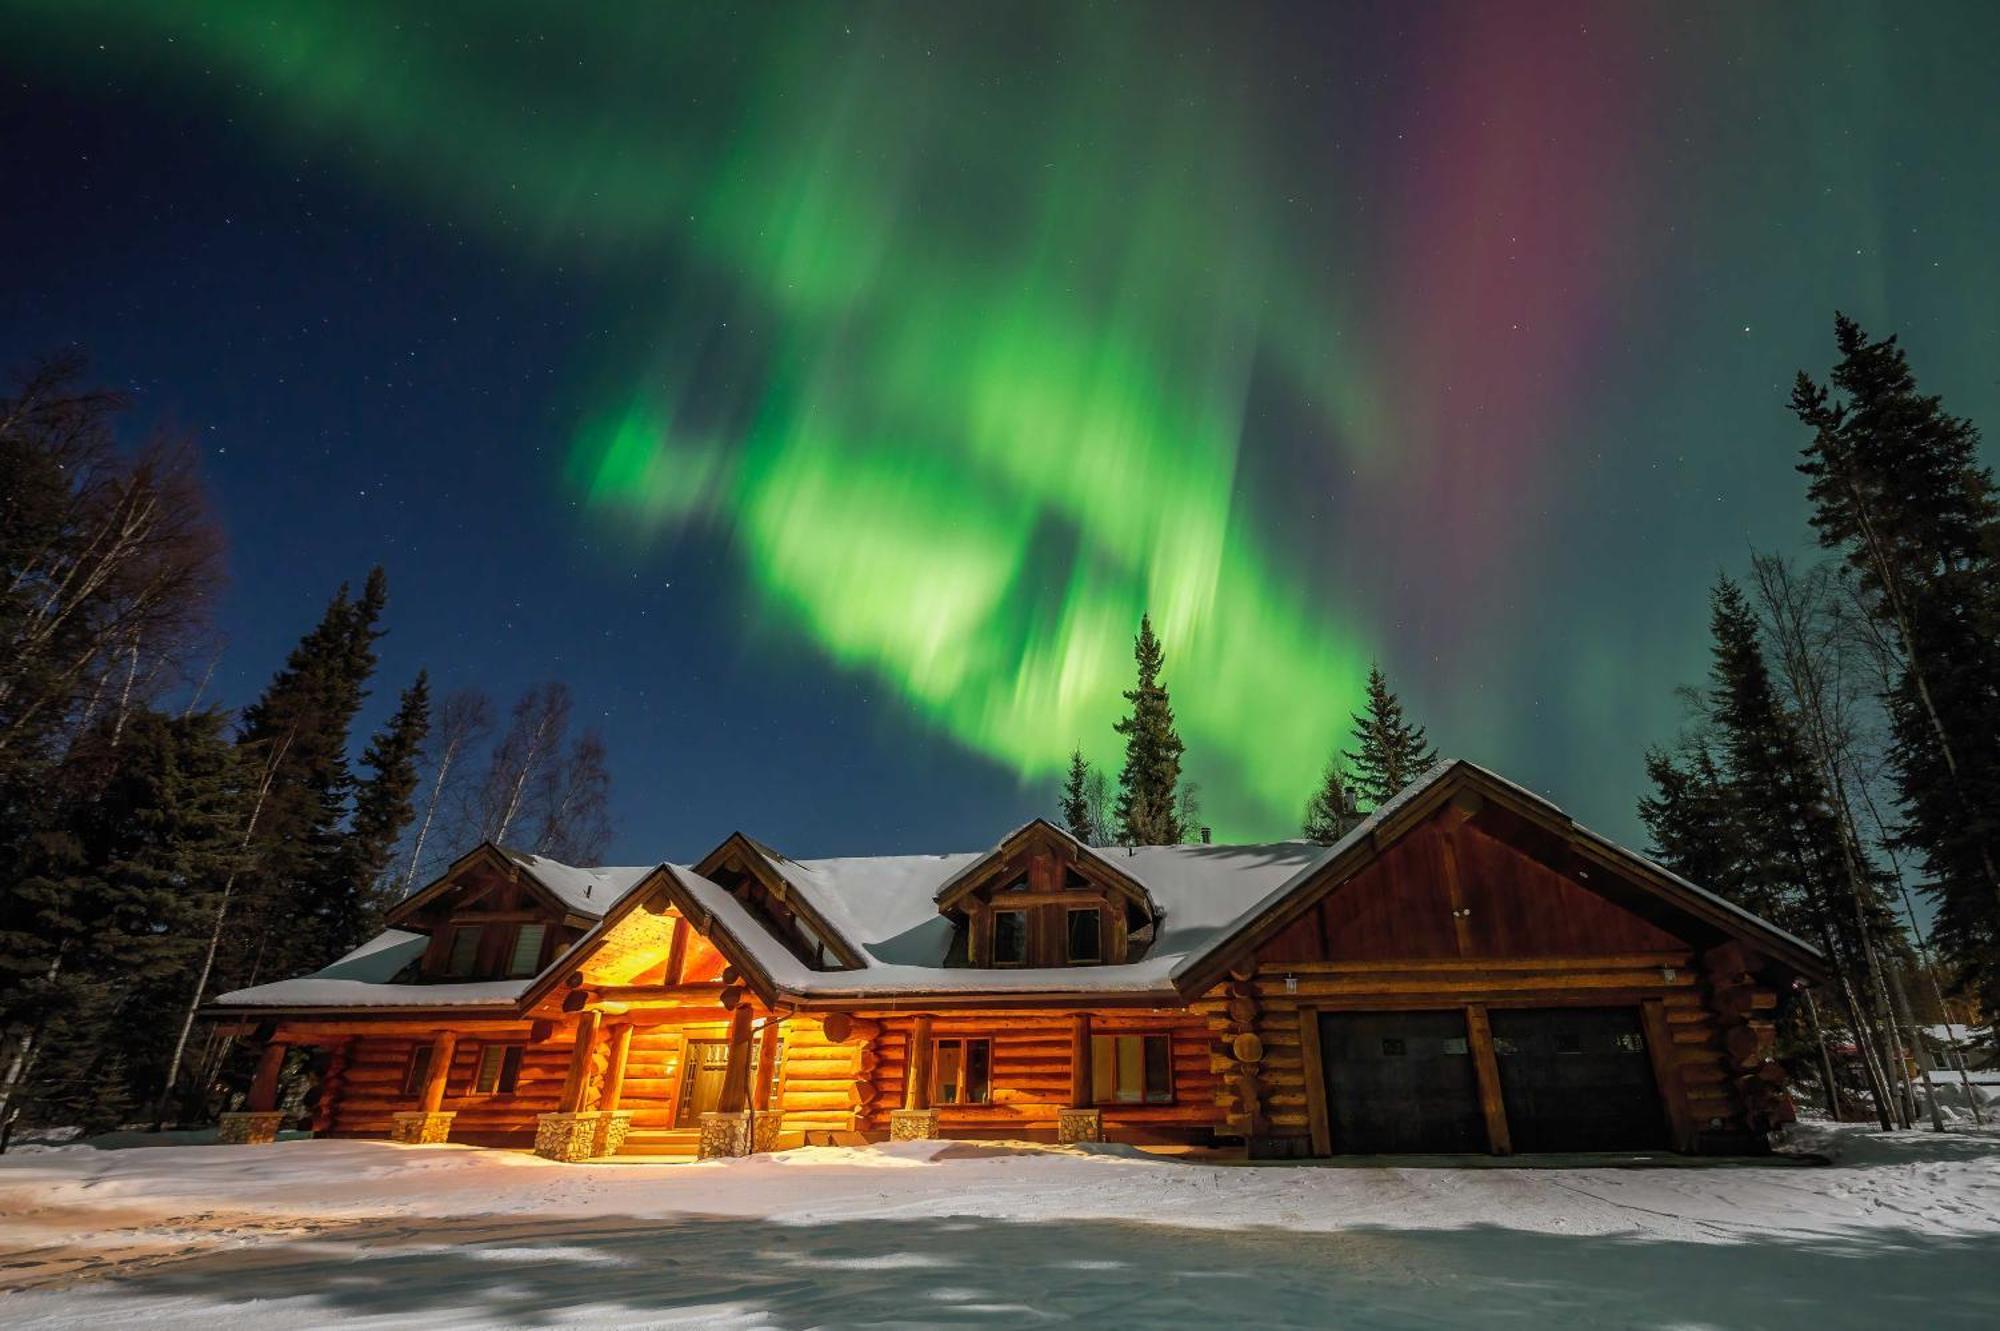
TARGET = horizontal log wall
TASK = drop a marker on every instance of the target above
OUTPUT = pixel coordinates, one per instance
(823, 1088)
(372, 1089)
(1265, 1006)
(1031, 1076)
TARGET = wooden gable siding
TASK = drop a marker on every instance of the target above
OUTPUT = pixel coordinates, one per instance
(1406, 904)
(701, 962)
(1454, 917)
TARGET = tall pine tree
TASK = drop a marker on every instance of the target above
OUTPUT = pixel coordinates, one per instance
(139, 861)
(1390, 751)
(383, 807)
(1149, 784)
(1330, 811)
(301, 908)
(1898, 488)
(1076, 813)
(1690, 818)
(1773, 840)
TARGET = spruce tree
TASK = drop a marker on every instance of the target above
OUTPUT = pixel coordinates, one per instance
(1786, 857)
(1390, 751)
(140, 862)
(1791, 837)
(1149, 784)
(301, 906)
(1898, 488)
(1330, 811)
(1690, 818)
(1076, 800)
(383, 807)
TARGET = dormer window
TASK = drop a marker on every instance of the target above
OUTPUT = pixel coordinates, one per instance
(1010, 937)
(1041, 901)
(464, 954)
(1086, 936)
(489, 918)
(525, 958)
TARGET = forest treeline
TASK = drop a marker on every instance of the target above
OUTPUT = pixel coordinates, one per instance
(1842, 761)
(159, 850)
(1840, 765)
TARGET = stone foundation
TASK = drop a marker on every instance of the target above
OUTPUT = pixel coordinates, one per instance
(413, 1127)
(1079, 1125)
(724, 1135)
(612, 1125)
(257, 1128)
(912, 1125)
(572, 1138)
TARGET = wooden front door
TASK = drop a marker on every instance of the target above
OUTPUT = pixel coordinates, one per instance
(1400, 1081)
(702, 1071)
(1578, 1079)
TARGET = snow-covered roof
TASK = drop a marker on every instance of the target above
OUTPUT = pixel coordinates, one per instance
(363, 978)
(590, 892)
(886, 906)
(885, 910)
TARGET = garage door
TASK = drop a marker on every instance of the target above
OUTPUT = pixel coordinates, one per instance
(1577, 1079)
(1400, 1081)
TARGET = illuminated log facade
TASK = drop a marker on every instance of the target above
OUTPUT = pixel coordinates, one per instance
(1468, 971)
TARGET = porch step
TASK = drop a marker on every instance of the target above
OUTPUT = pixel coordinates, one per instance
(661, 1141)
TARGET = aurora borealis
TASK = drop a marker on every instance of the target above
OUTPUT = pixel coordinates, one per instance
(925, 347)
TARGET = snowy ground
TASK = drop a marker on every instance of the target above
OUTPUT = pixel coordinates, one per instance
(1901, 1231)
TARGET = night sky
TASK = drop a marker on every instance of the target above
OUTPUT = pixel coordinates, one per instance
(823, 392)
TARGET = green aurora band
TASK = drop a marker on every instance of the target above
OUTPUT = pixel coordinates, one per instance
(1005, 330)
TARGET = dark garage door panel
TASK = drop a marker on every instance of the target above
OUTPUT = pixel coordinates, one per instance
(1577, 1079)
(1400, 1081)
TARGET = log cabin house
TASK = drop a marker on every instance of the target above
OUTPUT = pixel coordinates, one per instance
(1466, 970)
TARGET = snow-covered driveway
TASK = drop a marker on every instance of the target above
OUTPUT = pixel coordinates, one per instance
(1903, 1231)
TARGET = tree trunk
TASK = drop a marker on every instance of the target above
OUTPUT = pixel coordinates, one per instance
(1825, 1059)
(207, 967)
(1892, 592)
(445, 760)
(1902, 999)
(24, 1049)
